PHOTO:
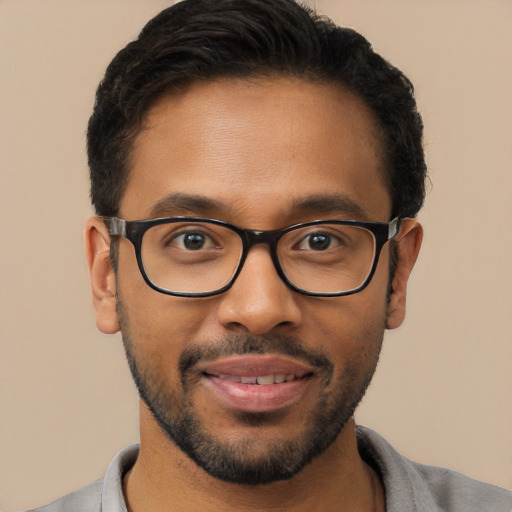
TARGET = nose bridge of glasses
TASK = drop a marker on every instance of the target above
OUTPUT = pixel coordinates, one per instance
(260, 238)
(268, 238)
(255, 237)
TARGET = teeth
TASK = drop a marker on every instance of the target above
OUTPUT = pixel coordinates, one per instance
(264, 380)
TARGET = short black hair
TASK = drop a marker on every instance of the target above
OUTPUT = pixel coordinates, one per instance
(202, 40)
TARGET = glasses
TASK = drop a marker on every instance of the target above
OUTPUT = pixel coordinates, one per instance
(200, 257)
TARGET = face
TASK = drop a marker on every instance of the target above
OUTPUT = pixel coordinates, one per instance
(254, 383)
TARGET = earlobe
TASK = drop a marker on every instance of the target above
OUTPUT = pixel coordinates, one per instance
(102, 275)
(407, 246)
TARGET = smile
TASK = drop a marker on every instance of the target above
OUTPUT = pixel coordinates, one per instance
(263, 380)
(257, 383)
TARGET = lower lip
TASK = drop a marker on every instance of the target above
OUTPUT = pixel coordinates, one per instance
(255, 397)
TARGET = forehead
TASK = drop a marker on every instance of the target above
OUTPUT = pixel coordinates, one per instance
(256, 148)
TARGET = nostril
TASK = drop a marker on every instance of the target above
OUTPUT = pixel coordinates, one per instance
(235, 327)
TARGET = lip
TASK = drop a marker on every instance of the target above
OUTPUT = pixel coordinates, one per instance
(224, 377)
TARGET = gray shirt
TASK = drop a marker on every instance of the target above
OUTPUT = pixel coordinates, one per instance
(410, 487)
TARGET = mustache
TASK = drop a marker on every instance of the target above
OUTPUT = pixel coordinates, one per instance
(243, 344)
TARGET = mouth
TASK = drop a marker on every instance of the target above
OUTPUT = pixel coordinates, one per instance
(257, 383)
(263, 380)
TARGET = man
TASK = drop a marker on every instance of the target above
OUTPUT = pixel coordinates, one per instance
(256, 172)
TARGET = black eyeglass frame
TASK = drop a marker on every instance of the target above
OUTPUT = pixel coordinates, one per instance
(134, 231)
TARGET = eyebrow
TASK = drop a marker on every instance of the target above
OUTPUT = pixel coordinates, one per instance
(335, 204)
(320, 205)
(178, 203)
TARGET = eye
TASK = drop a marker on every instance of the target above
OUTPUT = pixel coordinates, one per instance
(192, 241)
(319, 241)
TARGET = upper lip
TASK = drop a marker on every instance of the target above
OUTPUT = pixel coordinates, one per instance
(255, 366)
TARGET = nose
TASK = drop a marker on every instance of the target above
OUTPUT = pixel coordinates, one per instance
(259, 302)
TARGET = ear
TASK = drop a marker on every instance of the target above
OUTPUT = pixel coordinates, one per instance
(103, 279)
(407, 245)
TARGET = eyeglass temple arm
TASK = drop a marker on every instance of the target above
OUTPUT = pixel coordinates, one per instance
(393, 228)
(117, 227)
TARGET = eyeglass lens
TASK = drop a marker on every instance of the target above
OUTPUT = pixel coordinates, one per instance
(201, 257)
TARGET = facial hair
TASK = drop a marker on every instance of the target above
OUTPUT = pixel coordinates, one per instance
(244, 462)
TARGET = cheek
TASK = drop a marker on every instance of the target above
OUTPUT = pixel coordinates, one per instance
(351, 319)
(350, 329)
(159, 326)
(164, 325)
(156, 318)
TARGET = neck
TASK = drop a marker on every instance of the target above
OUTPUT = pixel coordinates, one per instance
(165, 479)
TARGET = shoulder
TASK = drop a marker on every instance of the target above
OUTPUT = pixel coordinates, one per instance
(87, 499)
(101, 495)
(456, 491)
(411, 486)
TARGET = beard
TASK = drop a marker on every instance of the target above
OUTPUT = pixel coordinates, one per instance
(245, 461)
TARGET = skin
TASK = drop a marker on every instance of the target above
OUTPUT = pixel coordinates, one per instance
(257, 148)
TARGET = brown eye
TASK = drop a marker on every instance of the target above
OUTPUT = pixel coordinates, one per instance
(192, 241)
(319, 241)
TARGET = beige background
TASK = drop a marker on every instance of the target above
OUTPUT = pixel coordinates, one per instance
(442, 394)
